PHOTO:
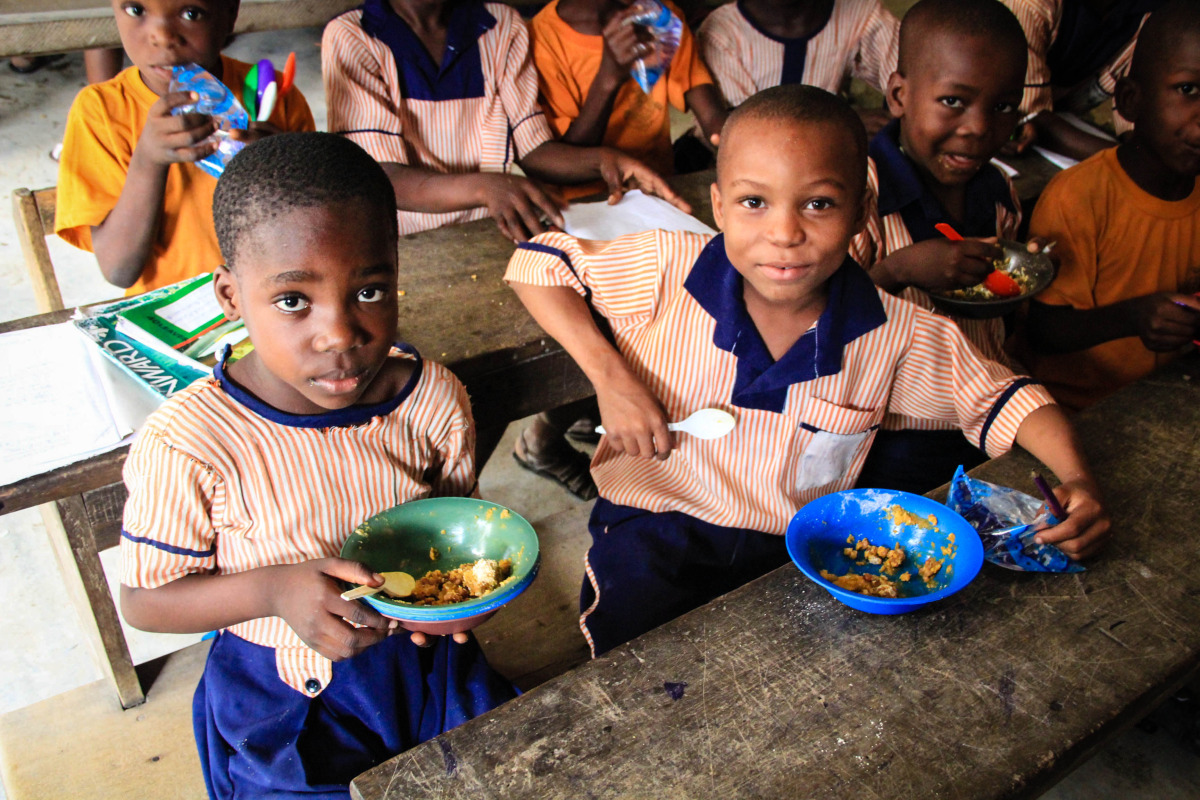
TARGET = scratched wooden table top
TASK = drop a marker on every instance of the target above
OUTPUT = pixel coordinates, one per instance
(996, 692)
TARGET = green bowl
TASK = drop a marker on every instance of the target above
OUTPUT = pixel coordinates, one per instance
(460, 530)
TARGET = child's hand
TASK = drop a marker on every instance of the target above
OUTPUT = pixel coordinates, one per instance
(634, 419)
(1166, 321)
(521, 208)
(623, 173)
(308, 598)
(939, 265)
(1086, 527)
(167, 139)
(1022, 138)
(256, 131)
(624, 43)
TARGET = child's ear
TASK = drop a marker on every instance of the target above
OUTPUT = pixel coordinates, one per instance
(714, 194)
(864, 205)
(225, 288)
(1126, 98)
(896, 94)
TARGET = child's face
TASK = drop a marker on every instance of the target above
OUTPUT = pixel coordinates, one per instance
(160, 34)
(957, 105)
(788, 199)
(1168, 108)
(316, 288)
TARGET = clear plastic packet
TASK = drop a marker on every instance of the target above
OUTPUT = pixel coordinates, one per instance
(1007, 521)
(667, 29)
(218, 102)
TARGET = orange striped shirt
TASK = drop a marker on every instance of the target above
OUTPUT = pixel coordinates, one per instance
(220, 483)
(804, 422)
(902, 201)
(1041, 19)
(860, 39)
(475, 112)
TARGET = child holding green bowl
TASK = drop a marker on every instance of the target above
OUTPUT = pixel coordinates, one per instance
(243, 487)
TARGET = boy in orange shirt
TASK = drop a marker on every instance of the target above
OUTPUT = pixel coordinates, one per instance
(584, 52)
(127, 190)
(1127, 221)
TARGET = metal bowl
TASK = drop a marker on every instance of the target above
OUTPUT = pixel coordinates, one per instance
(1037, 265)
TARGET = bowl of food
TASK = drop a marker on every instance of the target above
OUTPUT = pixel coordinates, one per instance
(468, 558)
(1018, 276)
(884, 551)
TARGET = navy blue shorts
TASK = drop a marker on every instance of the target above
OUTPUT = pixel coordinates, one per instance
(260, 738)
(917, 461)
(646, 568)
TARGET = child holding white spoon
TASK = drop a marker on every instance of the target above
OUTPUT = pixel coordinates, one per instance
(774, 323)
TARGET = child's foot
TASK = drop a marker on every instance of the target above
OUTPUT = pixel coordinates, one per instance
(584, 430)
(559, 462)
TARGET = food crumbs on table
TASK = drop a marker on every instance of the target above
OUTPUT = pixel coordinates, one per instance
(401, 292)
(474, 277)
(434, 555)
(437, 588)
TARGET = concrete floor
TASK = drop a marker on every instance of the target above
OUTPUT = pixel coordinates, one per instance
(44, 652)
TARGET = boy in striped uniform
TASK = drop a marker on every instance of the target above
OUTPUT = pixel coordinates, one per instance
(444, 95)
(753, 44)
(773, 322)
(128, 187)
(1125, 300)
(1078, 50)
(955, 97)
(243, 488)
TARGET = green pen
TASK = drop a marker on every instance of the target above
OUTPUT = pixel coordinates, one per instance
(250, 93)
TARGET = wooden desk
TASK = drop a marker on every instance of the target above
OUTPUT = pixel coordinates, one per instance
(996, 692)
(456, 309)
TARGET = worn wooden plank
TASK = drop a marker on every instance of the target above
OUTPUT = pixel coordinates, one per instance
(994, 693)
(105, 508)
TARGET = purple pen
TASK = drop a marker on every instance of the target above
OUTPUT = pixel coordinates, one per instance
(1051, 501)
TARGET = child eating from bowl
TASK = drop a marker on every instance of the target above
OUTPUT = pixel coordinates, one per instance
(243, 487)
(774, 323)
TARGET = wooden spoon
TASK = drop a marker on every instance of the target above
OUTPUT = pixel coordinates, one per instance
(396, 584)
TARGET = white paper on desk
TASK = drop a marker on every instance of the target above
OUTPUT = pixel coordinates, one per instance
(55, 406)
(1085, 126)
(1057, 159)
(635, 213)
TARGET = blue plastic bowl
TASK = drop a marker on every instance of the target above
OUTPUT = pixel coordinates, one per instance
(818, 534)
(460, 530)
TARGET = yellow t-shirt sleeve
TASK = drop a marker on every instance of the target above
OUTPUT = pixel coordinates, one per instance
(687, 68)
(91, 170)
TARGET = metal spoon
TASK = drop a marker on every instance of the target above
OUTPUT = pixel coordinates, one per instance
(707, 423)
(396, 584)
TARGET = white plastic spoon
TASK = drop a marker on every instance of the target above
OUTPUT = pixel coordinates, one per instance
(396, 584)
(707, 423)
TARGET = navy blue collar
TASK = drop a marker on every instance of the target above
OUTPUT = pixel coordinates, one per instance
(901, 189)
(459, 76)
(795, 49)
(341, 418)
(853, 308)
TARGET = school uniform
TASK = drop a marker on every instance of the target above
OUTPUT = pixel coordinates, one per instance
(916, 453)
(804, 421)
(476, 111)
(221, 483)
(859, 39)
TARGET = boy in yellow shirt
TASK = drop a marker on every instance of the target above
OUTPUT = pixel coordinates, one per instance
(1127, 222)
(127, 188)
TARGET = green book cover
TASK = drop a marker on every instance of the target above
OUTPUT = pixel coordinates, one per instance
(158, 373)
(183, 321)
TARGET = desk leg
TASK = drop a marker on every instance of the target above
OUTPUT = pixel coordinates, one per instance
(487, 436)
(79, 563)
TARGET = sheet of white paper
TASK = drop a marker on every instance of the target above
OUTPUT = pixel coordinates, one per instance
(55, 407)
(1005, 168)
(130, 400)
(1057, 159)
(635, 213)
(1086, 127)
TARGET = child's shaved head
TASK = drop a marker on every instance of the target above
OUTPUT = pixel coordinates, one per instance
(297, 170)
(958, 18)
(801, 105)
(1161, 36)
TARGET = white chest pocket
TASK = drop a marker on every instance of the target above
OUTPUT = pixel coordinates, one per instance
(833, 438)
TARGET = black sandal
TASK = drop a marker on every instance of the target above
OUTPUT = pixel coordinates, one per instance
(572, 470)
(583, 430)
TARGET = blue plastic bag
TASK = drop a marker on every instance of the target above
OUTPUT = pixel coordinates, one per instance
(1007, 521)
(217, 102)
(667, 30)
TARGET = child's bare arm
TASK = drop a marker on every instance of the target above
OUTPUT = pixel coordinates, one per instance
(305, 595)
(1164, 321)
(633, 417)
(1047, 434)
(1055, 133)
(557, 162)
(623, 45)
(936, 265)
(124, 241)
(705, 102)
